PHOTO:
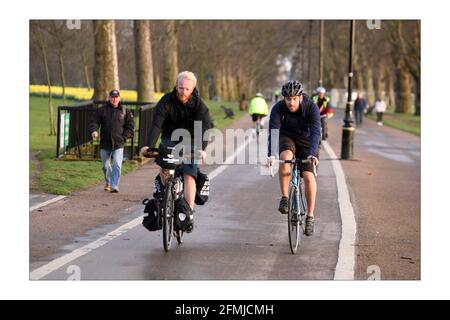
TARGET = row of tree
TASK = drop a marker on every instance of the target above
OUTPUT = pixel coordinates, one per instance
(230, 58)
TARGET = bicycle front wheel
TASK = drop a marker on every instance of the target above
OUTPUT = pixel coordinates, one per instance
(168, 213)
(293, 220)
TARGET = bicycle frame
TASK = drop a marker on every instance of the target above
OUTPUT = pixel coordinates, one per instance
(299, 203)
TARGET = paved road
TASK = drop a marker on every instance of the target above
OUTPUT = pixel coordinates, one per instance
(239, 235)
(384, 181)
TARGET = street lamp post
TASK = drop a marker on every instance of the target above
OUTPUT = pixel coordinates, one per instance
(321, 55)
(348, 130)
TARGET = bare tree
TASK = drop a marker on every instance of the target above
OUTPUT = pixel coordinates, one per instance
(106, 73)
(61, 36)
(171, 51)
(144, 64)
(41, 43)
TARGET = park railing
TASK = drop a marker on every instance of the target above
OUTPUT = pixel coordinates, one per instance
(73, 138)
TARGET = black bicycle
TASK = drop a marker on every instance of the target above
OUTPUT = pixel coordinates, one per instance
(172, 174)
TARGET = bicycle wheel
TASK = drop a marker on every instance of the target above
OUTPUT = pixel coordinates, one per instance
(167, 211)
(293, 220)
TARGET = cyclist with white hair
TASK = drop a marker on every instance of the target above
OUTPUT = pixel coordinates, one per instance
(178, 110)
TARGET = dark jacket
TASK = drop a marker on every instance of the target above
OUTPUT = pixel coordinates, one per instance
(302, 126)
(171, 114)
(360, 105)
(116, 125)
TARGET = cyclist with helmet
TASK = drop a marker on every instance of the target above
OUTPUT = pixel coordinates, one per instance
(258, 108)
(323, 102)
(298, 121)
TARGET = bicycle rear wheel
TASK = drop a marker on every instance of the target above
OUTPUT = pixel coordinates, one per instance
(168, 213)
(293, 221)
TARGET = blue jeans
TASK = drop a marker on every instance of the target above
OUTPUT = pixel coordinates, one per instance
(359, 115)
(112, 171)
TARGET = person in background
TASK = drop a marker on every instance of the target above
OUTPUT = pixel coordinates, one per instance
(380, 109)
(360, 107)
(258, 109)
(116, 125)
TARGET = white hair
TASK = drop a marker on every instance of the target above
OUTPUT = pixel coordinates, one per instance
(187, 75)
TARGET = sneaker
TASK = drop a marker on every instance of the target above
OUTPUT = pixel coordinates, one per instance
(284, 205)
(107, 187)
(115, 190)
(309, 226)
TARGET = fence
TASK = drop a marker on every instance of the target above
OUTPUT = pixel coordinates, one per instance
(73, 138)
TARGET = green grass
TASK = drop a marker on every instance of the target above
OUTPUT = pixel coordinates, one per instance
(58, 176)
(405, 122)
(218, 114)
(63, 177)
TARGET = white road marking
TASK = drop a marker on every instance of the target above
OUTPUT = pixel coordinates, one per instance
(345, 267)
(40, 205)
(56, 264)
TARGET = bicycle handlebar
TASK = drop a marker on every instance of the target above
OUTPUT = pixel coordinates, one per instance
(154, 152)
(151, 153)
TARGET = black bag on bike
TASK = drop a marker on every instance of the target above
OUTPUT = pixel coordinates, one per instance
(152, 221)
(165, 153)
(158, 188)
(202, 186)
(182, 215)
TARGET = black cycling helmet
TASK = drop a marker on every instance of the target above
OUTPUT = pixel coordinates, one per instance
(291, 89)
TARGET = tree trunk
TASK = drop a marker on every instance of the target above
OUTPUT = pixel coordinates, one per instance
(370, 87)
(51, 117)
(404, 104)
(310, 89)
(85, 69)
(204, 83)
(144, 64)
(417, 111)
(106, 69)
(381, 87)
(157, 83)
(170, 71)
(392, 101)
(61, 73)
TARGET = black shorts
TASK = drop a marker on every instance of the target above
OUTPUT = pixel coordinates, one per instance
(300, 151)
(257, 116)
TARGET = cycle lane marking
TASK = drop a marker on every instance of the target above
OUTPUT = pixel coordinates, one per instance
(345, 266)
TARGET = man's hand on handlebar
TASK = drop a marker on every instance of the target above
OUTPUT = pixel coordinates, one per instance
(149, 152)
(270, 161)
